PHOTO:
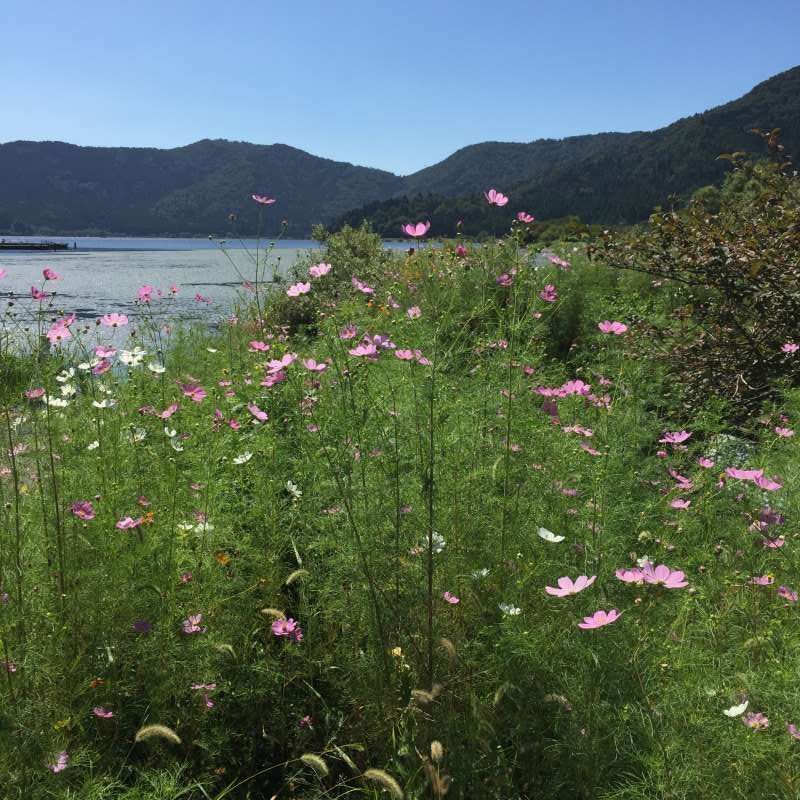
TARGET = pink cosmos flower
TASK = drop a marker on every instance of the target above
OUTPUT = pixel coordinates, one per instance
(599, 619)
(348, 332)
(522, 216)
(705, 463)
(793, 731)
(288, 628)
(295, 290)
(773, 544)
(630, 575)
(680, 504)
(205, 687)
(257, 347)
(417, 231)
(260, 415)
(461, 251)
(319, 270)
(449, 597)
(744, 474)
(767, 484)
(38, 294)
(186, 577)
(415, 312)
(495, 198)
(58, 333)
(3, 274)
(101, 351)
(761, 580)
(168, 411)
(617, 328)
(145, 294)
(306, 721)
(273, 378)
(50, 275)
(566, 586)
(194, 392)
(82, 509)
(586, 447)
(790, 347)
(675, 437)
(504, 280)
(279, 364)
(559, 262)
(313, 366)
(263, 200)
(364, 349)
(102, 713)
(664, 576)
(113, 320)
(102, 367)
(128, 523)
(362, 287)
(192, 624)
(404, 355)
(757, 721)
(787, 594)
(61, 763)
(549, 293)
(784, 433)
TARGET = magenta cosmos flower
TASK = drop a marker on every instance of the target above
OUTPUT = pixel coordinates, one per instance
(787, 594)
(495, 198)
(319, 270)
(102, 713)
(82, 509)
(549, 293)
(523, 216)
(674, 437)
(790, 347)
(3, 274)
(296, 289)
(263, 200)
(416, 230)
(61, 762)
(260, 415)
(617, 328)
(362, 287)
(50, 275)
(566, 586)
(287, 628)
(599, 619)
(113, 320)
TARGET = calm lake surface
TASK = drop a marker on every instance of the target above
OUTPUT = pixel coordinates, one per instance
(104, 274)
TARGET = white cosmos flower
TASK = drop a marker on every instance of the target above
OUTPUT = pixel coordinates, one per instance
(736, 711)
(57, 402)
(93, 445)
(212, 349)
(293, 490)
(157, 368)
(243, 458)
(438, 542)
(171, 433)
(176, 445)
(107, 403)
(138, 435)
(64, 376)
(510, 610)
(549, 536)
(133, 358)
(481, 573)
(68, 390)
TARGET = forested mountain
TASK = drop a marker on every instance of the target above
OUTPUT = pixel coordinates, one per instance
(52, 187)
(606, 178)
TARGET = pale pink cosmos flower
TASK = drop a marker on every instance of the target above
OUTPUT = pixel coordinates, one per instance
(361, 286)
(523, 216)
(757, 721)
(128, 523)
(186, 577)
(364, 349)
(113, 320)
(313, 366)
(288, 628)
(193, 391)
(784, 433)
(417, 231)
(599, 619)
(348, 332)
(761, 580)
(319, 270)
(794, 732)
(279, 364)
(586, 447)
(168, 411)
(102, 713)
(260, 415)
(3, 274)
(787, 594)
(495, 198)
(415, 312)
(296, 289)
(449, 597)
(58, 334)
(257, 347)
(790, 347)
(83, 509)
(566, 586)
(504, 280)
(404, 355)
(558, 261)
(674, 437)
(34, 394)
(61, 763)
(38, 294)
(705, 463)
(205, 687)
(50, 275)
(744, 474)
(192, 624)
(662, 575)
(145, 294)
(680, 504)
(773, 544)
(101, 351)
(767, 484)
(549, 293)
(263, 200)
(617, 328)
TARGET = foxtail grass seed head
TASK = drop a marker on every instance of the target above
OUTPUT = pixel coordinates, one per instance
(437, 751)
(157, 732)
(385, 781)
(295, 576)
(317, 763)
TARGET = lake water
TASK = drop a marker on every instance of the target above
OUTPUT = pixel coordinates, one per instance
(104, 274)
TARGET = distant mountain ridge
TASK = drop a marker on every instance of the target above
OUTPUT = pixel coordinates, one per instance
(53, 187)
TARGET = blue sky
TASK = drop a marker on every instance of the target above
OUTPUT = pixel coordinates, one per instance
(396, 86)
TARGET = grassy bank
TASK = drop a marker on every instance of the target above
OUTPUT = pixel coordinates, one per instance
(310, 556)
